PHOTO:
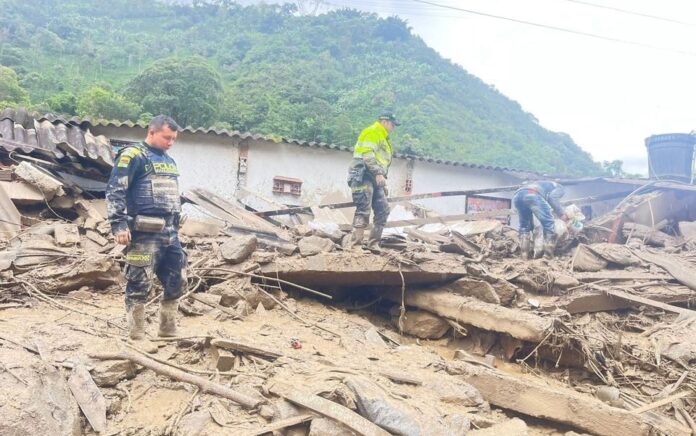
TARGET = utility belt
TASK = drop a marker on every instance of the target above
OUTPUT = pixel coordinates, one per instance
(154, 224)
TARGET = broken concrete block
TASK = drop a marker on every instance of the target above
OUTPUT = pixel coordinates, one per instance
(48, 185)
(474, 288)
(95, 271)
(234, 291)
(303, 230)
(458, 425)
(193, 424)
(222, 359)
(200, 227)
(312, 245)
(423, 324)
(22, 193)
(66, 234)
(10, 218)
(513, 427)
(44, 407)
(90, 223)
(453, 391)
(95, 209)
(328, 427)
(64, 202)
(238, 248)
(96, 237)
(108, 373)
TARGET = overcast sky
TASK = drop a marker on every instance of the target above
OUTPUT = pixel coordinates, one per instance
(608, 96)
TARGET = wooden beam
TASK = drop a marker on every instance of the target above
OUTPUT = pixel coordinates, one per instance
(648, 302)
(662, 402)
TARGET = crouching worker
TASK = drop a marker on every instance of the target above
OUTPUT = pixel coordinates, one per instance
(144, 210)
(540, 199)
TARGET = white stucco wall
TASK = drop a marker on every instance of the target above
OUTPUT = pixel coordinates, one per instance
(432, 177)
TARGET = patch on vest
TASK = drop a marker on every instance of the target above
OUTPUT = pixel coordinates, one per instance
(165, 168)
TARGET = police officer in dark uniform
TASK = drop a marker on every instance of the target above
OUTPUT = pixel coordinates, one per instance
(144, 210)
(540, 199)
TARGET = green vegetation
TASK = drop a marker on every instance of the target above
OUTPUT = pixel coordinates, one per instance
(267, 70)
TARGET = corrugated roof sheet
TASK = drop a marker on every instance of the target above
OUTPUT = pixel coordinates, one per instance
(256, 136)
(49, 135)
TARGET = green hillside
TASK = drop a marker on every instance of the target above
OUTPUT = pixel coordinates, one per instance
(267, 70)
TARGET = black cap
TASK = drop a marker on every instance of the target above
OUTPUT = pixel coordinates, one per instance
(389, 116)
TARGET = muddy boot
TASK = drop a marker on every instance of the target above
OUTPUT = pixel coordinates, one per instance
(168, 311)
(355, 238)
(373, 243)
(549, 246)
(525, 246)
(136, 328)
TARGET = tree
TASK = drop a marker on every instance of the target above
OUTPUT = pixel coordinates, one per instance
(188, 89)
(613, 168)
(11, 93)
(64, 102)
(101, 103)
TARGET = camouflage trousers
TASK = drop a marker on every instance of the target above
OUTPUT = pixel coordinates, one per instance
(155, 254)
(367, 197)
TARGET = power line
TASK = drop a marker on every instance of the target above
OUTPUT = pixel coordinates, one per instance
(558, 29)
(628, 12)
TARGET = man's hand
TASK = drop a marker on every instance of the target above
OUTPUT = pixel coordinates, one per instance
(381, 180)
(386, 191)
(123, 238)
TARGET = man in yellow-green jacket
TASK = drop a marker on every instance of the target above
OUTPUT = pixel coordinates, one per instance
(367, 178)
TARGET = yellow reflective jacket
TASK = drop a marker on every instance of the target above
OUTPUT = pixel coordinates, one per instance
(373, 150)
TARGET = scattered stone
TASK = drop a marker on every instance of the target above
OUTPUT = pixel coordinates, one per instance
(90, 223)
(81, 294)
(458, 425)
(453, 391)
(267, 412)
(513, 427)
(374, 337)
(474, 288)
(260, 310)
(303, 230)
(96, 271)
(328, 427)
(233, 291)
(423, 324)
(238, 248)
(263, 257)
(63, 202)
(91, 209)
(312, 245)
(223, 359)
(193, 423)
(66, 234)
(108, 373)
(96, 237)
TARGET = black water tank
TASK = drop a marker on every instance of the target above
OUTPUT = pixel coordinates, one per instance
(670, 156)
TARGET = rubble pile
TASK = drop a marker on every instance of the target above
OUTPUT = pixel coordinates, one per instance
(443, 331)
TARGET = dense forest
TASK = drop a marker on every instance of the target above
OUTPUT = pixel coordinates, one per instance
(265, 69)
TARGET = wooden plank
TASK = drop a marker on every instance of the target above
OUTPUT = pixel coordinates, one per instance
(281, 424)
(242, 347)
(10, 218)
(619, 275)
(89, 397)
(648, 302)
(559, 404)
(329, 409)
(680, 271)
(584, 302)
(662, 402)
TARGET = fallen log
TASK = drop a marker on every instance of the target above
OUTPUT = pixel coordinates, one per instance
(562, 405)
(176, 374)
(517, 323)
(329, 409)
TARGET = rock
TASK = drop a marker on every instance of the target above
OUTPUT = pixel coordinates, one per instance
(453, 391)
(222, 359)
(233, 291)
(44, 407)
(458, 425)
(82, 294)
(312, 245)
(562, 281)
(263, 257)
(238, 248)
(513, 427)
(96, 271)
(96, 237)
(108, 373)
(423, 324)
(374, 337)
(474, 288)
(64, 202)
(267, 412)
(66, 234)
(303, 230)
(95, 209)
(193, 423)
(328, 427)
(90, 223)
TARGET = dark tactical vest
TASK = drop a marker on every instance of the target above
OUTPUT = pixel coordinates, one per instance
(155, 190)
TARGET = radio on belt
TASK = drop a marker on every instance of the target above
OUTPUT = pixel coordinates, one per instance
(150, 224)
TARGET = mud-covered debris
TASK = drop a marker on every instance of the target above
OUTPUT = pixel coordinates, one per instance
(237, 249)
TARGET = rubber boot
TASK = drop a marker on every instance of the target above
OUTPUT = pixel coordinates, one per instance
(168, 311)
(373, 243)
(355, 238)
(549, 246)
(525, 246)
(135, 315)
